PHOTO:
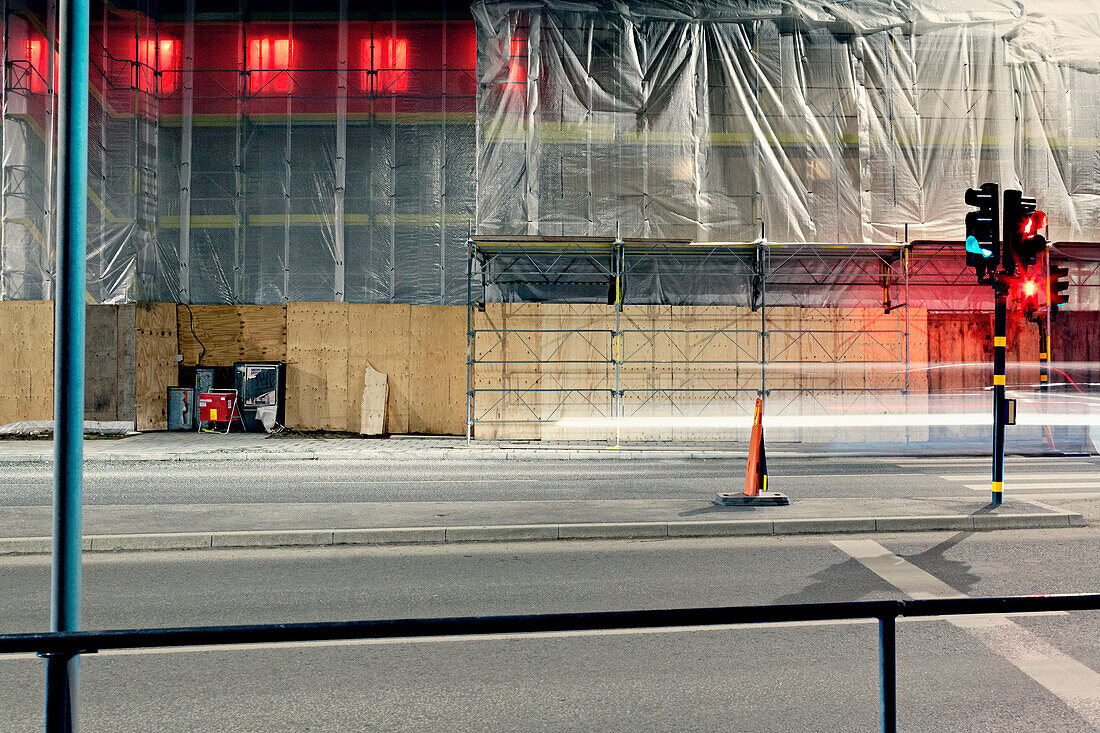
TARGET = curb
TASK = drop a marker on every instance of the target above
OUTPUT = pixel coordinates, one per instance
(433, 454)
(448, 454)
(545, 532)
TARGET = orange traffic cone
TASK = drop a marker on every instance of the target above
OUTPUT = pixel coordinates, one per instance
(756, 475)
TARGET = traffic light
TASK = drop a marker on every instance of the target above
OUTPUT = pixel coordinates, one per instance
(1023, 243)
(983, 241)
(1028, 293)
(1057, 285)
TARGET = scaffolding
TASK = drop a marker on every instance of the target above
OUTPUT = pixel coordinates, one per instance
(624, 331)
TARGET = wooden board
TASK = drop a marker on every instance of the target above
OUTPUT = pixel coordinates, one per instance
(126, 362)
(156, 344)
(232, 333)
(101, 363)
(26, 360)
(372, 408)
(317, 366)
(378, 334)
(437, 370)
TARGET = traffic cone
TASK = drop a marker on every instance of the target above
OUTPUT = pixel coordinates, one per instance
(756, 475)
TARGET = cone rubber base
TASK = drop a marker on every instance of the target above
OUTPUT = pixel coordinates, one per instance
(739, 499)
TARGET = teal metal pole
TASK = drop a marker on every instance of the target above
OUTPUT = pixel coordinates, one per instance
(72, 215)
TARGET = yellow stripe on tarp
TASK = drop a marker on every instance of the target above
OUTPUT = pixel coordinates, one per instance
(1000, 341)
(997, 486)
(765, 488)
(998, 379)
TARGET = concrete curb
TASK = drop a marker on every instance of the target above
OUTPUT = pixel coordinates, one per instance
(449, 454)
(545, 532)
(433, 454)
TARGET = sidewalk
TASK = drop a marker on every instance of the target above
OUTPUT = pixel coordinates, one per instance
(178, 446)
(178, 527)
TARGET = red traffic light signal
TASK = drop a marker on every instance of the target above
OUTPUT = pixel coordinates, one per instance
(1022, 221)
(1031, 224)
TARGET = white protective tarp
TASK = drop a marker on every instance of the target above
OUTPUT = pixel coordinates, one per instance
(810, 122)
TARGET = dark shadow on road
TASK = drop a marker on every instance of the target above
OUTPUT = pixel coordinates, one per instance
(953, 572)
(846, 581)
(852, 581)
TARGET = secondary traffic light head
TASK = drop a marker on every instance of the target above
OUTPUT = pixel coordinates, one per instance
(1023, 244)
(1057, 285)
(983, 242)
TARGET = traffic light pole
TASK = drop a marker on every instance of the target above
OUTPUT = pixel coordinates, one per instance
(1000, 342)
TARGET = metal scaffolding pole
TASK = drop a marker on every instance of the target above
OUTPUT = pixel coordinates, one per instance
(338, 286)
(186, 127)
(69, 306)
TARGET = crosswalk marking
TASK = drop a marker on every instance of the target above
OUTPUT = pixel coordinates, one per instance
(1075, 684)
(1028, 486)
(985, 460)
(1064, 485)
(1077, 476)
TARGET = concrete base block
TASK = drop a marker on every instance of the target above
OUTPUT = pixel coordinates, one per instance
(390, 536)
(268, 538)
(612, 530)
(1020, 521)
(165, 541)
(948, 522)
(26, 545)
(718, 528)
(824, 526)
(502, 533)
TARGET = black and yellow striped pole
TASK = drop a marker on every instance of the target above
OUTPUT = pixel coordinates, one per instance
(1000, 342)
(1044, 356)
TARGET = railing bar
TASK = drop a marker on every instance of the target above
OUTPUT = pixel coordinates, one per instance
(87, 641)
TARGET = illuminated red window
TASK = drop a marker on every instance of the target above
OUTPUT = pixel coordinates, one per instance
(269, 62)
(517, 61)
(162, 56)
(36, 57)
(388, 60)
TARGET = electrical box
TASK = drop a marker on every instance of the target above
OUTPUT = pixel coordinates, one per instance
(181, 408)
(204, 380)
(260, 386)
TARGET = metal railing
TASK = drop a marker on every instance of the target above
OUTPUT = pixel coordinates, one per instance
(69, 644)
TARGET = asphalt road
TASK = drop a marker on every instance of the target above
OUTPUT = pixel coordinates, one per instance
(802, 678)
(327, 480)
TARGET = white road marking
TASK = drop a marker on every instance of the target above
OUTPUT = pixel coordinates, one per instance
(1009, 484)
(497, 637)
(1073, 683)
(1063, 495)
(1016, 461)
(1023, 478)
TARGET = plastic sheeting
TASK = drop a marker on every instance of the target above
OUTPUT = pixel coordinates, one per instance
(856, 122)
(354, 174)
(222, 172)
